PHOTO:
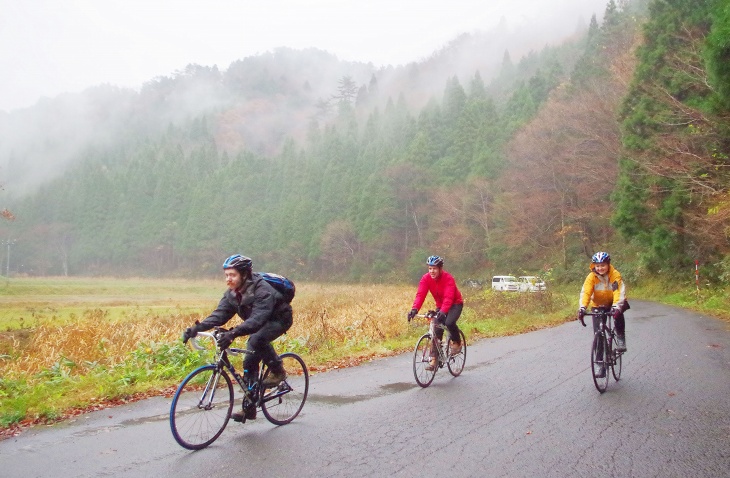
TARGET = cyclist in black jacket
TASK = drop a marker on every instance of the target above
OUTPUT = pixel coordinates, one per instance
(266, 316)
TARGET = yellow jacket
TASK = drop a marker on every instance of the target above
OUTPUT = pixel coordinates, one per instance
(603, 291)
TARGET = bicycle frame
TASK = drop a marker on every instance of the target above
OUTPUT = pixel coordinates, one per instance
(605, 326)
(250, 391)
(440, 345)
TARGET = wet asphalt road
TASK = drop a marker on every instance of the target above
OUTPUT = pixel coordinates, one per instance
(525, 406)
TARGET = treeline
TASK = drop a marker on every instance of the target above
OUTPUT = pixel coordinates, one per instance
(531, 171)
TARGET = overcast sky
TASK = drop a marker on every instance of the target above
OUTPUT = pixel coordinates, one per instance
(48, 47)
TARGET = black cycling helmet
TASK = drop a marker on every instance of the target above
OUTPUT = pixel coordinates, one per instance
(238, 262)
(435, 261)
(599, 257)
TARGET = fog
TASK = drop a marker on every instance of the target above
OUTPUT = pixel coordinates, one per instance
(49, 47)
(77, 74)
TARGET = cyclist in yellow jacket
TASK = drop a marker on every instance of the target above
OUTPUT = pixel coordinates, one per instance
(604, 288)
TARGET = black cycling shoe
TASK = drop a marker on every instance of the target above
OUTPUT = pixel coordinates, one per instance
(242, 416)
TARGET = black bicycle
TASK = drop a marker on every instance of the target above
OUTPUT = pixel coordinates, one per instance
(603, 354)
(204, 401)
(422, 353)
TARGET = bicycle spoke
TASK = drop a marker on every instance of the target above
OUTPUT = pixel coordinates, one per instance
(616, 367)
(282, 404)
(599, 367)
(456, 361)
(421, 360)
(201, 407)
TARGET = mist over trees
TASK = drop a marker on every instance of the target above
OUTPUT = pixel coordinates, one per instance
(616, 138)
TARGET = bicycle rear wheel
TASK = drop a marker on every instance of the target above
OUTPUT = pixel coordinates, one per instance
(201, 407)
(421, 359)
(282, 404)
(598, 362)
(456, 361)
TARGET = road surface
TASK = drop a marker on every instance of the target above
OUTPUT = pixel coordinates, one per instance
(525, 406)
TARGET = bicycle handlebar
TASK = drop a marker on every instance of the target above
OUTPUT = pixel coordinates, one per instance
(431, 314)
(597, 312)
(212, 335)
(194, 340)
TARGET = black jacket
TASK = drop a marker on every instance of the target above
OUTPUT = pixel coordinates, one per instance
(258, 304)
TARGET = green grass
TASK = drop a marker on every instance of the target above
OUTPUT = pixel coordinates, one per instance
(30, 302)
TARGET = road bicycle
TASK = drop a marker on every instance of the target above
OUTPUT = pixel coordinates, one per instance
(422, 353)
(204, 401)
(603, 354)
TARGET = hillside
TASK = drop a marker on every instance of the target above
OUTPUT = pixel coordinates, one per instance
(319, 168)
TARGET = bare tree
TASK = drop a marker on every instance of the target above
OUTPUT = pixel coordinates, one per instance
(339, 243)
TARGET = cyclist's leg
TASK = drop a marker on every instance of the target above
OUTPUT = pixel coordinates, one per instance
(451, 318)
(260, 341)
(620, 324)
(251, 363)
(259, 344)
(457, 341)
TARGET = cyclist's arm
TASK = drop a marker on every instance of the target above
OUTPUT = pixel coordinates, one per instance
(421, 293)
(586, 291)
(619, 289)
(220, 315)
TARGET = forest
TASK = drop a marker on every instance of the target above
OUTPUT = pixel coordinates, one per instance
(616, 139)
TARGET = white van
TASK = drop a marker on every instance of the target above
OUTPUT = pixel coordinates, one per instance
(531, 284)
(505, 283)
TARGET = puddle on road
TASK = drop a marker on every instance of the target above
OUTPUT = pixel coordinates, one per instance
(331, 400)
(397, 387)
(338, 400)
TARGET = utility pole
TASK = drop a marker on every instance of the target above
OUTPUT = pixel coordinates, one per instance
(8, 243)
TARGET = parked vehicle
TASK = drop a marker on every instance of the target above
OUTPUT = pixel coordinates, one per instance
(531, 284)
(505, 283)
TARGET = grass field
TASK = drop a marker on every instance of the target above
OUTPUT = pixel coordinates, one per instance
(70, 345)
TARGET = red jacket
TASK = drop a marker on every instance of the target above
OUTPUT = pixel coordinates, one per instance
(443, 289)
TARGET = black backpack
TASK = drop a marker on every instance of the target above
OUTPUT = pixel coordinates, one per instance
(285, 286)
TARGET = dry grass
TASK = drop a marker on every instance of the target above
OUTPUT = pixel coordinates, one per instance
(91, 340)
(333, 323)
(327, 317)
(88, 352)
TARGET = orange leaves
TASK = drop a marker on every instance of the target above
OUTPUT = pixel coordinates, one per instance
(7, 214)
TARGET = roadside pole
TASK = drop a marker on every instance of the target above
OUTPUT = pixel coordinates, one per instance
(697, 278)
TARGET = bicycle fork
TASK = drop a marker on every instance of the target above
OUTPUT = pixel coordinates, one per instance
(206, 399)
(439, 345)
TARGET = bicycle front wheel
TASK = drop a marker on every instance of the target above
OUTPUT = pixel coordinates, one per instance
(201, 407)
(282, 404)
(598, 362)
(456, 361)
(616, 365)
(421, 359)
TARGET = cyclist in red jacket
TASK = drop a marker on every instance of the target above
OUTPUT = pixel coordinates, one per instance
(449, 302)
